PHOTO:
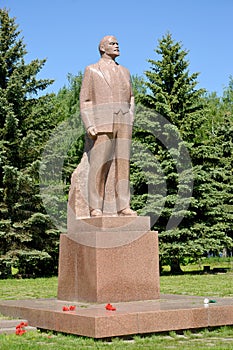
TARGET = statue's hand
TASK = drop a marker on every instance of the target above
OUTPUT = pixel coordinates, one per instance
(92, 132)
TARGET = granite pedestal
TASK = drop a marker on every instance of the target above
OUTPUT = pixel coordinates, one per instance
(115, 260)
(109, 259)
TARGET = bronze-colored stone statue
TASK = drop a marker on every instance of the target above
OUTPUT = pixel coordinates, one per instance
(107, 111)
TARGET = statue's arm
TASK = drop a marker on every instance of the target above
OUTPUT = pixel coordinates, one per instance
(86, 103)
(132, 102)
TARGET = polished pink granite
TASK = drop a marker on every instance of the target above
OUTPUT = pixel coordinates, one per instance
(170, 312)
(121, 272)
(108, 231)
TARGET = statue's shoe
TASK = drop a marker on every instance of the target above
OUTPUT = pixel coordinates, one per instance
(96, 212)
(127, 212)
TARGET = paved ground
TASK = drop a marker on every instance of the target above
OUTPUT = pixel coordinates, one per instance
(9, 326)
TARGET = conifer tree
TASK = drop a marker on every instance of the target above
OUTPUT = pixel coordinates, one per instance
(26, 121)
(171, 130)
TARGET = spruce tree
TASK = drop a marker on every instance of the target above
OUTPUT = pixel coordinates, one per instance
(170, 129)
(26, 233)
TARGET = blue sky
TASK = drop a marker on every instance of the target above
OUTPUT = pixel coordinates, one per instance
(67, 33)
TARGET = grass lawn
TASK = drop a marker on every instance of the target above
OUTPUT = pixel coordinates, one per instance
(221, 338)
(191, 282)
(219, 285)
(194, 282)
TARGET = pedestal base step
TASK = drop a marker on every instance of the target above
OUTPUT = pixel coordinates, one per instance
(169, 313)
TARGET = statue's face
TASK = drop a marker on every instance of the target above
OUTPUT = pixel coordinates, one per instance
(111, 47)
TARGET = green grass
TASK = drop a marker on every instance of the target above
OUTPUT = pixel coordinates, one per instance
(198, 267)
(28, 288)
(192, 282)
(221, 338)
(204, 285)
(219, 285)
(212, 262)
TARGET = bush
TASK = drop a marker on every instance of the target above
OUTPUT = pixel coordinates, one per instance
(27, 264)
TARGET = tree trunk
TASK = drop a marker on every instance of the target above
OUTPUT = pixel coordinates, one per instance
(175, 267)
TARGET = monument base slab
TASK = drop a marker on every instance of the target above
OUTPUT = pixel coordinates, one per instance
(169, 313)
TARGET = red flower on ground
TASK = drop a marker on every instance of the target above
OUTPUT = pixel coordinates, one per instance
(110, 307)
(20, 328)
(20, 331)
(72, 307)
(69, 308)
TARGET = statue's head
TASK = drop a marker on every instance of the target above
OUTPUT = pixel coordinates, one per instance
(109, 46)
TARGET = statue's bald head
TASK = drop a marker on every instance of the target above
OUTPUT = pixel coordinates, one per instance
(104, 40)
